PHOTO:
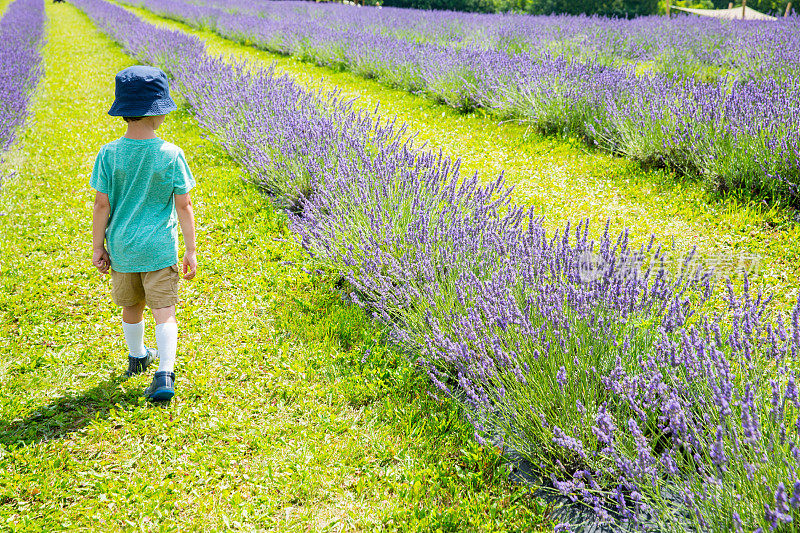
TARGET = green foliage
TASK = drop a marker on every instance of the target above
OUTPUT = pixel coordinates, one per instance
(615, 8)
(693, 4)
(483, 6)
(775, 7)
(609, 8)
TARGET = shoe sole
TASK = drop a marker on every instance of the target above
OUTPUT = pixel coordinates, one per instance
(162, 395)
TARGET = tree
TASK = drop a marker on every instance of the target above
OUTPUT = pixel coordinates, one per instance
(774, 7)
(483, 6)
(617, 8)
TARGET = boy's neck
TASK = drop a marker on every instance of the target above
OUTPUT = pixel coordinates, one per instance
(140, 131)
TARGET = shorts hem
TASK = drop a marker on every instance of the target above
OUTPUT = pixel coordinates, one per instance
(161, 303)
(122, 302)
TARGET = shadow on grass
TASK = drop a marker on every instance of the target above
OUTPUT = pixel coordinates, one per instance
(68, 414)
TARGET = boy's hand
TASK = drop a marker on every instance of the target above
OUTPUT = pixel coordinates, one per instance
(101, 260)
(189, 265)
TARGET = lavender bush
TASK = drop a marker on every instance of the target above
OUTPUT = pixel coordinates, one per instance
(592, 359)
(21, 39)
(713, 99)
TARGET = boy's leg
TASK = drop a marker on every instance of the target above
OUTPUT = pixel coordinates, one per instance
(128, 292)
(161, 290)
(133, 329)
(166, 337)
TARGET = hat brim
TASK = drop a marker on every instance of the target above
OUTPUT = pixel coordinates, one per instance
(161, 106)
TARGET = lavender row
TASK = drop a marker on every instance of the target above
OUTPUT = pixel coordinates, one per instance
(738, 134)
(683, 45)
(21, 39)
(591, 359)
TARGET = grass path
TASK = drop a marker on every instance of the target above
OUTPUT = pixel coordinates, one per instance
(289, 415)
(566, 181)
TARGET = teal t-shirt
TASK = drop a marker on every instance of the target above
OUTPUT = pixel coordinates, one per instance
(141, 178)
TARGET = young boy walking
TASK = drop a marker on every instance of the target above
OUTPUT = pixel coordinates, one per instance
(143, 185)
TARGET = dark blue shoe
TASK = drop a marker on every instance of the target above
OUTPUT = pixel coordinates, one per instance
(137, 365)
(162, 388)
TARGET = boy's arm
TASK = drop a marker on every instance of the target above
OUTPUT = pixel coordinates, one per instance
(183, 207)
(100, 213)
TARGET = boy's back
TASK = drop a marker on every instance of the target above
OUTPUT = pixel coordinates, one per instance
(141, 177)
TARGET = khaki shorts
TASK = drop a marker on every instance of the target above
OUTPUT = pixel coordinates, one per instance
(157, 289)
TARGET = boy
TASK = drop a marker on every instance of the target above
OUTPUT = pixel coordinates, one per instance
(143, 185)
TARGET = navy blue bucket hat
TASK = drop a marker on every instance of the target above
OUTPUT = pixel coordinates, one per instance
(141, 92)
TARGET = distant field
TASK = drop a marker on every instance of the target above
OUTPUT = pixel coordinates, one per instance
(711, 99)
(565, 181)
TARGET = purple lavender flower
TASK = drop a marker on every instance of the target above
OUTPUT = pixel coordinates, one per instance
(570, 443)
(561, 378)
(604, 427)
(795, 501)
(791, 392)
(781, 507)
(717, 451)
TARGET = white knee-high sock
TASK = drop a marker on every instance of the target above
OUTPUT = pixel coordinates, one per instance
(167, 340)
(134, 338)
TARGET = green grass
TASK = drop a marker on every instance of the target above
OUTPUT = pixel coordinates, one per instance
(564, 180)
(290, 413)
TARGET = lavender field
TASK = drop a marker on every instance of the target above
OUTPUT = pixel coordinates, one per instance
(709, 99)
(621, 380)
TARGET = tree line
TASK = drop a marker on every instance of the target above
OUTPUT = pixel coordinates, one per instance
(536, 7)
(610, 8)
